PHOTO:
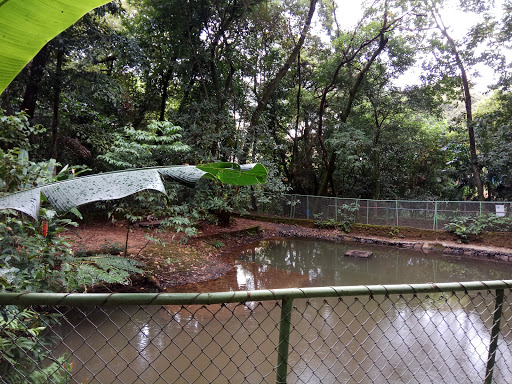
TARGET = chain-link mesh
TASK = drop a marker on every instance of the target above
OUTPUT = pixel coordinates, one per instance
(438, 337)
(415, 214)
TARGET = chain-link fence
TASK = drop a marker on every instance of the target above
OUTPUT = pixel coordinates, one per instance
(425, 333)
(416, 214)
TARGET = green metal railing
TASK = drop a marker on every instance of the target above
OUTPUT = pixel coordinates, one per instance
(447, 332)
(420, 214)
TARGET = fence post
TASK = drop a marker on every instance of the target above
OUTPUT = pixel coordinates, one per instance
(284, 340)
(336, 207)
(396, 208)
(435, 215)
(495, 332)
(367, 210)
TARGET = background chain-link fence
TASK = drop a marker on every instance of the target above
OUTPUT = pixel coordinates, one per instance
(416, 214)
(445, 333)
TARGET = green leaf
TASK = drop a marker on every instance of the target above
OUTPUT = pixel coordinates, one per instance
(65, 195)
(27, 25)
(234, 174)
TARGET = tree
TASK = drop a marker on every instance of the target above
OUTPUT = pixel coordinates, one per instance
(270, 88)
(355, 54)
(457, 61)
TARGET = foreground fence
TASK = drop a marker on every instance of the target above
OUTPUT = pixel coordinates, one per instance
(425, 333)
(416, 214)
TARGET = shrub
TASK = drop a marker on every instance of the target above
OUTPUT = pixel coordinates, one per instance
(467, 228)
(22, 348)
(347, 216)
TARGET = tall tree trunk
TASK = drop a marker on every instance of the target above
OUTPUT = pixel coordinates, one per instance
(272, 86)
(468, 104)
(166, 78)
(6, 101)
(57, 89)
(36, 71)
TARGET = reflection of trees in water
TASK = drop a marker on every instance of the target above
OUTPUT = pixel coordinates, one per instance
(324, 263)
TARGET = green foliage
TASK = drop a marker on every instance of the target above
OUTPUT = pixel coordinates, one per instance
(135, 148)
(22, 348)
(182, 218)
(347, 216)
(216, 203)
(34, 262)
(467, 228)
(15, 131)
(395, 232)
(148, 205)
(100, 269)
(18, 173)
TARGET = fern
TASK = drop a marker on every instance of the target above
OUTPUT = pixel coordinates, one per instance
(142, 148)
(101, 269)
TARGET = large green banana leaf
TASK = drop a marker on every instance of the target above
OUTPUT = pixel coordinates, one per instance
(71, 193)
(27, 25)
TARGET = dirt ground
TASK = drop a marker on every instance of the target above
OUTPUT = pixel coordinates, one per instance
(211, 254)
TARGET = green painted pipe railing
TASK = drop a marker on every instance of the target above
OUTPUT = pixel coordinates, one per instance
(75, 299)
(286, 296)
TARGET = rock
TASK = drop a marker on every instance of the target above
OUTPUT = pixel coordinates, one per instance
(359, 254)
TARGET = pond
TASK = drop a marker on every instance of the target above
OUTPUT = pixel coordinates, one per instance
(304, 263)
(351, 340)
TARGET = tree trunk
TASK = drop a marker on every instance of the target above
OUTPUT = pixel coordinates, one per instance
(57, 89)
(166, 78)
(36, 71)
(468, 104)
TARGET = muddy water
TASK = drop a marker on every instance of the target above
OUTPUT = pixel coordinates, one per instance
(302, 263)
(365, 340)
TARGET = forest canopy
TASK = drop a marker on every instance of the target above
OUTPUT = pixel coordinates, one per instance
(289, 84)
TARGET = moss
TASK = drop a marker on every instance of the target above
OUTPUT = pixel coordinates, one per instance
(394, 231)
(283, 220)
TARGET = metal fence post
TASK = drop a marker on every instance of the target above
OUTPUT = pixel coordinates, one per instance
(500, 294)
(396, 207)
(435, 216)
(284, 340)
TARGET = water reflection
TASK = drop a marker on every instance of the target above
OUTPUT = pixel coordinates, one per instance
(427, 338)
(302, 263)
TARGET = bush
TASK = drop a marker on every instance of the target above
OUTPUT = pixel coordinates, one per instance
(37, 258)
(347, 216)
(467, 228)
(22, 348)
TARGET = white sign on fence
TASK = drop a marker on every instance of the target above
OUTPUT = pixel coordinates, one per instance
(500, 210)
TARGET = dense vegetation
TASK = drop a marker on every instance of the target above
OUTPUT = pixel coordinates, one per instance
(282, 83)
(290, 84)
